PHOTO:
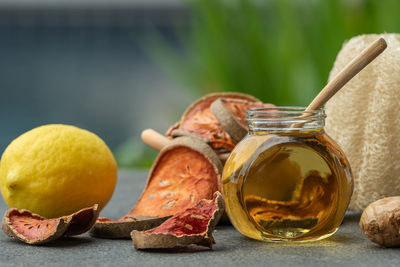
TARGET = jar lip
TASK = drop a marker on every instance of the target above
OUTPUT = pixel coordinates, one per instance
(285, 110)
(286, 118)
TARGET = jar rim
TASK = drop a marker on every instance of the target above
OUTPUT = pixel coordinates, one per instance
(284, 118)
(285, 110)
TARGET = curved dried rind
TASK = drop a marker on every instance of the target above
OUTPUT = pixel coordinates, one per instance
(52, 229)
(142, 240)
(380, 222)
(179, 132)
(34, 229)
(199, 120)
(168, 234)
(222, 153)
(106, 228)
(186, 171)
(230, 114)
(82, 221)
(230, 124)
(174, 127)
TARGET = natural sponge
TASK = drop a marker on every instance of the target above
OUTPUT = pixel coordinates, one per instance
(364, 119)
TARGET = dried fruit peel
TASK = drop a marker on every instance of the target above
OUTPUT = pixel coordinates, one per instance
(34, 229)
(121, 228)
(192, 226)
(171, 187)
(198, 119)
(231, 115)
(47, 230)
(82, 221)
(186, 171)
(179, 132)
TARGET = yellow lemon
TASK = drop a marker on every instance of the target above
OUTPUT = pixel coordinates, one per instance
(55, 170)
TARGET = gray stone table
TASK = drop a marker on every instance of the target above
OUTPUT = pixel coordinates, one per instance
(348, 247)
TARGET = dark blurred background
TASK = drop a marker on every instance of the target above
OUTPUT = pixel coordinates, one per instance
(118, 67)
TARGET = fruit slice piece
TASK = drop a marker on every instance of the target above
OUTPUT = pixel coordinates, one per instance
(199, 120)
(185, 171)
(231, 115)
(121, 228)
(82, 221)
(191, 226)
(34, 229)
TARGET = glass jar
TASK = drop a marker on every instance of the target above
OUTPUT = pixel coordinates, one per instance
(287, 180)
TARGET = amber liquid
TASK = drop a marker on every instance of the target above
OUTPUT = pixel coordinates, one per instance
(294, 186)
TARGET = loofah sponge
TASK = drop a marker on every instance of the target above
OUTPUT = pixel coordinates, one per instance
(364, 119)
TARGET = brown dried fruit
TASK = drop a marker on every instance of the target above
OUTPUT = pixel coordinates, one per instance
(185, 171)
(122, 228)
(192, 226)
(34, 229)
(199, 120)
(82, 221)
(380, 222)
(231, 115)
(31, 228)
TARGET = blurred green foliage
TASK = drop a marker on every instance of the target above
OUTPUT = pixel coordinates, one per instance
(278, 50)
(134, 154)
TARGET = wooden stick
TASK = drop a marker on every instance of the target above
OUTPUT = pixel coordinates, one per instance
(351, 69)
(154, 139)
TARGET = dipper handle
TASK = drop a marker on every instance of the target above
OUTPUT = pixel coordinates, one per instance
(351, 69)
(154, 139)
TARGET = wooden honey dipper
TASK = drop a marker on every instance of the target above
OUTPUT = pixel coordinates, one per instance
(348, 72)
(344, 76)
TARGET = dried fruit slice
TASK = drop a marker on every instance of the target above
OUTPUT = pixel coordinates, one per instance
(82, 221)
(106, 228)
(34, 229)
(231, 115)
(192, 226)
(199, 120)
(186, 171)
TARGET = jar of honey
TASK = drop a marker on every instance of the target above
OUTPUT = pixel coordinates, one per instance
(287, 180)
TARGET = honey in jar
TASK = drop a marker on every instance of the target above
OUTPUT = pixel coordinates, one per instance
(287, 180)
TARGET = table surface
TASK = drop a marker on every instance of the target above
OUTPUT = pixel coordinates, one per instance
(348, 247)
